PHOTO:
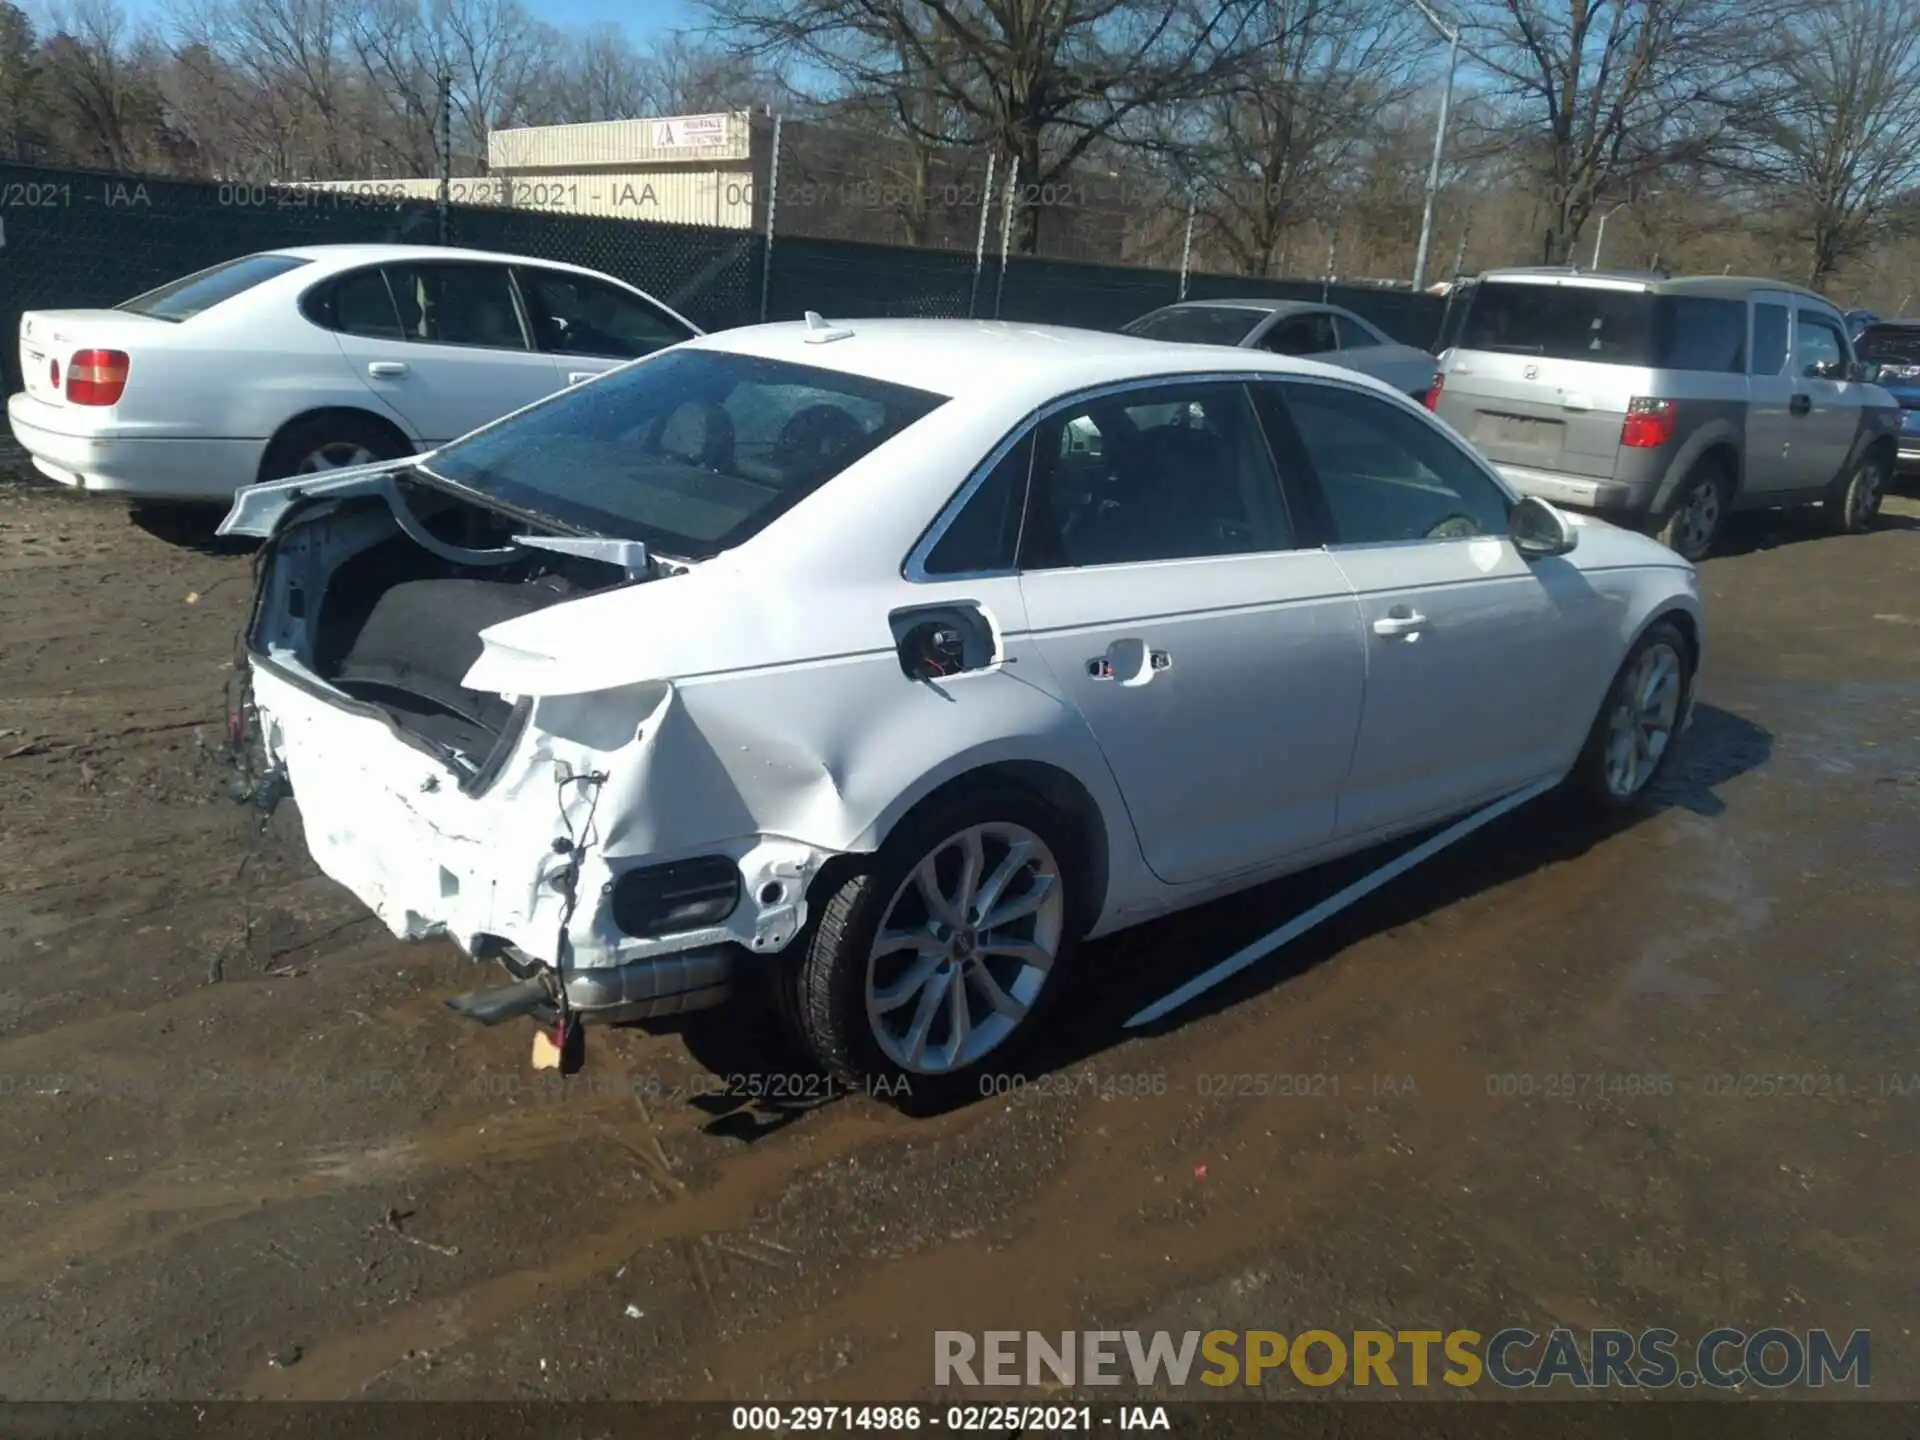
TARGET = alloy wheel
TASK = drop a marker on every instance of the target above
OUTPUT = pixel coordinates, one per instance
(1702, 519)
(335, 455)
(1865, 497)
(1641, 725)
(965, 945)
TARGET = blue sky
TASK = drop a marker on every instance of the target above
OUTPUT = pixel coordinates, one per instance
(642, 19)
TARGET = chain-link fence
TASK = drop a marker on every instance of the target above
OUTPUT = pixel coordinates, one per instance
(75, 239)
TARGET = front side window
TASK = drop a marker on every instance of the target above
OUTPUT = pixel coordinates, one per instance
(1387, 475)
(578, 315)
(449, 303)
(1174, 472)
(691, 451)
(1819, 350)
(1302, 335)
(194, 294)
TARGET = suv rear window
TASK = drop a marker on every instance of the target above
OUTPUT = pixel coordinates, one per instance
(187, 297)
(690, 451)
(1607, 327)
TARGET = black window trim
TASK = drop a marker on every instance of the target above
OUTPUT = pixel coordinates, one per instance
(527, 300)
(913, 567)
(1314, 500)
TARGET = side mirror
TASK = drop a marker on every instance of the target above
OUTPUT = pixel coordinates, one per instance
(1539, 530)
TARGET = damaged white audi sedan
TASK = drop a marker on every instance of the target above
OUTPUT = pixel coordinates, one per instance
(891, 659)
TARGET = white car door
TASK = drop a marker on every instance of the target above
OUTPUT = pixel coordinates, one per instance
(590, 326)
(444, 344)
(1218, 666)
(1484, 670)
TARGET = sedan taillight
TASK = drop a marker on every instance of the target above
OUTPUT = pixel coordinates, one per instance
(97, 377)
(1649, 424)
(1434, 390)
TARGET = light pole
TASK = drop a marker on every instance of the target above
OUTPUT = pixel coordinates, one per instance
(1451, 34)
(1600, 235)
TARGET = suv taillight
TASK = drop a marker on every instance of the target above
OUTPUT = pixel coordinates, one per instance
(97, 377)
(1649, 423)
(1433, 391)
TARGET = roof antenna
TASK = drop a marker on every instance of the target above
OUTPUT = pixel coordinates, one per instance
(819, 332)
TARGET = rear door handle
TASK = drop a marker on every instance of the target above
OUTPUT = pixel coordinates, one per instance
(386, 369)
(1400, 621)
(1800, 404)
(576, 377)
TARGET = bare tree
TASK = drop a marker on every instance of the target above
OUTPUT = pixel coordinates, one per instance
(1607, 93)
(502, 62)
(1842, 143)
(19, 86)
(95, 88)
(1285, 133)
(1041, 81)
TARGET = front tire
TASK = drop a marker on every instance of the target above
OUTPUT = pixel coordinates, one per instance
(932, 968)
(1854, 505)
(1634, 733)
(1692, 524)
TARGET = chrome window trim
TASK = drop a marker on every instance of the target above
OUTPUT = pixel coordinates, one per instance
(913, 568)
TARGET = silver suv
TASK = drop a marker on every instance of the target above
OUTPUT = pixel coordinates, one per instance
(1666, 403)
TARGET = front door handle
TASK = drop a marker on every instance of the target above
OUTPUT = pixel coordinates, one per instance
(576, 377)
(1800, 404)
(1400, 621)
(386, 369)
(1130, 662)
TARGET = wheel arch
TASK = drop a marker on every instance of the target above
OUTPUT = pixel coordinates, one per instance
(356, 413)
(1050, 783)
(1717, 443)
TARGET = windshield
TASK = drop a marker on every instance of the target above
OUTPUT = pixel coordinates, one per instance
(1608, 327)
(1197, 324)
(183, 299)
(1896, 348)
(691, 452)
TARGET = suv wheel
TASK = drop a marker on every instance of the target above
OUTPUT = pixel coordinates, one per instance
(1699, 507)
(1855, 502)
(939, 959)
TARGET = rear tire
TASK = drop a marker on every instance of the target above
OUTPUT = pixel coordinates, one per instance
(1692, 523)
(1639, 722)
(330, 442)
(932, 1021)
(1854, 505)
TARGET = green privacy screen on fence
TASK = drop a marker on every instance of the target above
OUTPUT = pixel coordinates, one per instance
(71, 239)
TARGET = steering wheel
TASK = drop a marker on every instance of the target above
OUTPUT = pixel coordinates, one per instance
(1455, 527)
(818, 436)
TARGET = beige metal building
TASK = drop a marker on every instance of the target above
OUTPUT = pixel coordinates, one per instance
(831, 183)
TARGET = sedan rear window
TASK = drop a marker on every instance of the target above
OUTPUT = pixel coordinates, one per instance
(1608, 327)
(1197, 324)
(691, 451)
(185, 298)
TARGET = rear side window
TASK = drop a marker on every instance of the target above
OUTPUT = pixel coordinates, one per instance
(985, 536)
(457, 304)
(194, 294)
(1560, 322)
(1769, 338)
(1197, 324)
(1699, 334)
(357, 304)
(1354, 335)
(1309, 334)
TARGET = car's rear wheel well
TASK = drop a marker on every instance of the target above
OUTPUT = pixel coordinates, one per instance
(1719, 456)
(1054, 787)
(344, 415)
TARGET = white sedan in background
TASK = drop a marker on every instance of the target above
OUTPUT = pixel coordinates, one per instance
(890, 660)
(1306, 329)
(309, 359)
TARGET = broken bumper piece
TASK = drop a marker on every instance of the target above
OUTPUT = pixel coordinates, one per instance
(642, 990)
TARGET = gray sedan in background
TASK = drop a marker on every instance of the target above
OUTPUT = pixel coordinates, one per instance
(1305, 328)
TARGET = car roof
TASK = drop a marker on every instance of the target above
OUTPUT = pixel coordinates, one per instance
(1719, 287)
(1258, 302)
(1003, 359)
(341, 256)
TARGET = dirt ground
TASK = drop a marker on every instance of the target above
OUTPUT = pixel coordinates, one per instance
(249, 1154)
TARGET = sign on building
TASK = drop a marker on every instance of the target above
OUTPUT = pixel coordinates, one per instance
(690, 132)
